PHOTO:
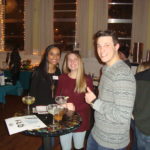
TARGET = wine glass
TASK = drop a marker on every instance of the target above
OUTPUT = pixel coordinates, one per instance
(51, 109)
(28, 100)
(61, 99)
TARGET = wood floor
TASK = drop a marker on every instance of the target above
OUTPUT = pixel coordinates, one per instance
(19, 141)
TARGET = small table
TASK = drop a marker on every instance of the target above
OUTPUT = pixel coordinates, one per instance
(70, 122)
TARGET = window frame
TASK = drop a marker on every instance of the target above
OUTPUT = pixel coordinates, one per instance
(57, 20)
(119, 21)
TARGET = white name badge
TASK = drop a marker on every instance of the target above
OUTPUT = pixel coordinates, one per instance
(55, 77)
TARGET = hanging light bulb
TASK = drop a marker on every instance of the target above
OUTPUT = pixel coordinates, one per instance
(11, 5)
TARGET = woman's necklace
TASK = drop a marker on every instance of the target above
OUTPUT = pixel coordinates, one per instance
(52, 82)
(52, 88)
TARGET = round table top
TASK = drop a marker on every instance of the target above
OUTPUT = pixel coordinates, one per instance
(70, 122)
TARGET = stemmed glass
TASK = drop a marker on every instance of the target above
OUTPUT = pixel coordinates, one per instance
(61, 99)
(51, 108)
(28, 100)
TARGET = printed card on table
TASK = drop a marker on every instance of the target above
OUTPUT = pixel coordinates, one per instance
(22, 123)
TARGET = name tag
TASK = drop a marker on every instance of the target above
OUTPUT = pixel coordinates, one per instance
(55, 77)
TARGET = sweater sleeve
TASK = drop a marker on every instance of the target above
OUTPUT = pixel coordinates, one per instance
(120, 109)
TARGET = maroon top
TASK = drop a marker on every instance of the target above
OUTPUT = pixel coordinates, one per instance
(66, 87)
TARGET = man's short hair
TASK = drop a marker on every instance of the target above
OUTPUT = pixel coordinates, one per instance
(107, 33)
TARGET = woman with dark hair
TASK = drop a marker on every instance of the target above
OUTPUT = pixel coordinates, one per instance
(44, 78)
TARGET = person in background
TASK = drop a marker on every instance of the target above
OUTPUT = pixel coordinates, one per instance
(142, 67)
(45, 77)
(15, 64)
(73, 83)
(123, 52)
(114, 105)
(142, 106)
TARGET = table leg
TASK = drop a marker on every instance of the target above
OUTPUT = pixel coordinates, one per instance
(47, 143)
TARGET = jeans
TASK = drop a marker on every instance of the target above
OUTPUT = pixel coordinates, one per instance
(143, 141)
(134, 145)
(51, 141)
(78, 139)
(93, 145)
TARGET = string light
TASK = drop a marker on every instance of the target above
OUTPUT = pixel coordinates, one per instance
(25, 20)
(2, 31)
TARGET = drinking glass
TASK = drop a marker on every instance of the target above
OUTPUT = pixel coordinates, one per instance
(59, 114)
(51, 109)
(61, 99)
(28, 100)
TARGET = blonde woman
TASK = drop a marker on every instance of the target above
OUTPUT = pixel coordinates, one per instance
(73, 83)
(143, 66)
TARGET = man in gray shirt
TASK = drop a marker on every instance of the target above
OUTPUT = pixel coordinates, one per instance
(113, 108)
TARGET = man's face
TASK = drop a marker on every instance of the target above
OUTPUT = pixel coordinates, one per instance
(107, 51)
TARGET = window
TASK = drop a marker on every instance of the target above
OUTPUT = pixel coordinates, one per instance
(14, 24)
(120, 19)
(64, 24)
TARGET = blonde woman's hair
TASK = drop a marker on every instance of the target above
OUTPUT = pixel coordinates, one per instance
(143, 66)
(81, 85)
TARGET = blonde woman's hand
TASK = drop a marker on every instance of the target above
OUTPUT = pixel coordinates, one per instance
(69, 106)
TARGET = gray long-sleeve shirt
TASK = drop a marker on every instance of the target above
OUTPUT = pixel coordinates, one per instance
(113, 108)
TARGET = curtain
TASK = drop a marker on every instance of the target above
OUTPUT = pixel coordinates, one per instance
(82, 25)
(46, 24)
(28, 11)
(100, 15)
(91, 17)
(38, 25)
(140, 22)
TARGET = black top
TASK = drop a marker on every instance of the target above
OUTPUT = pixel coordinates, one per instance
(142, 102)
(144, 75)
(41, 87)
